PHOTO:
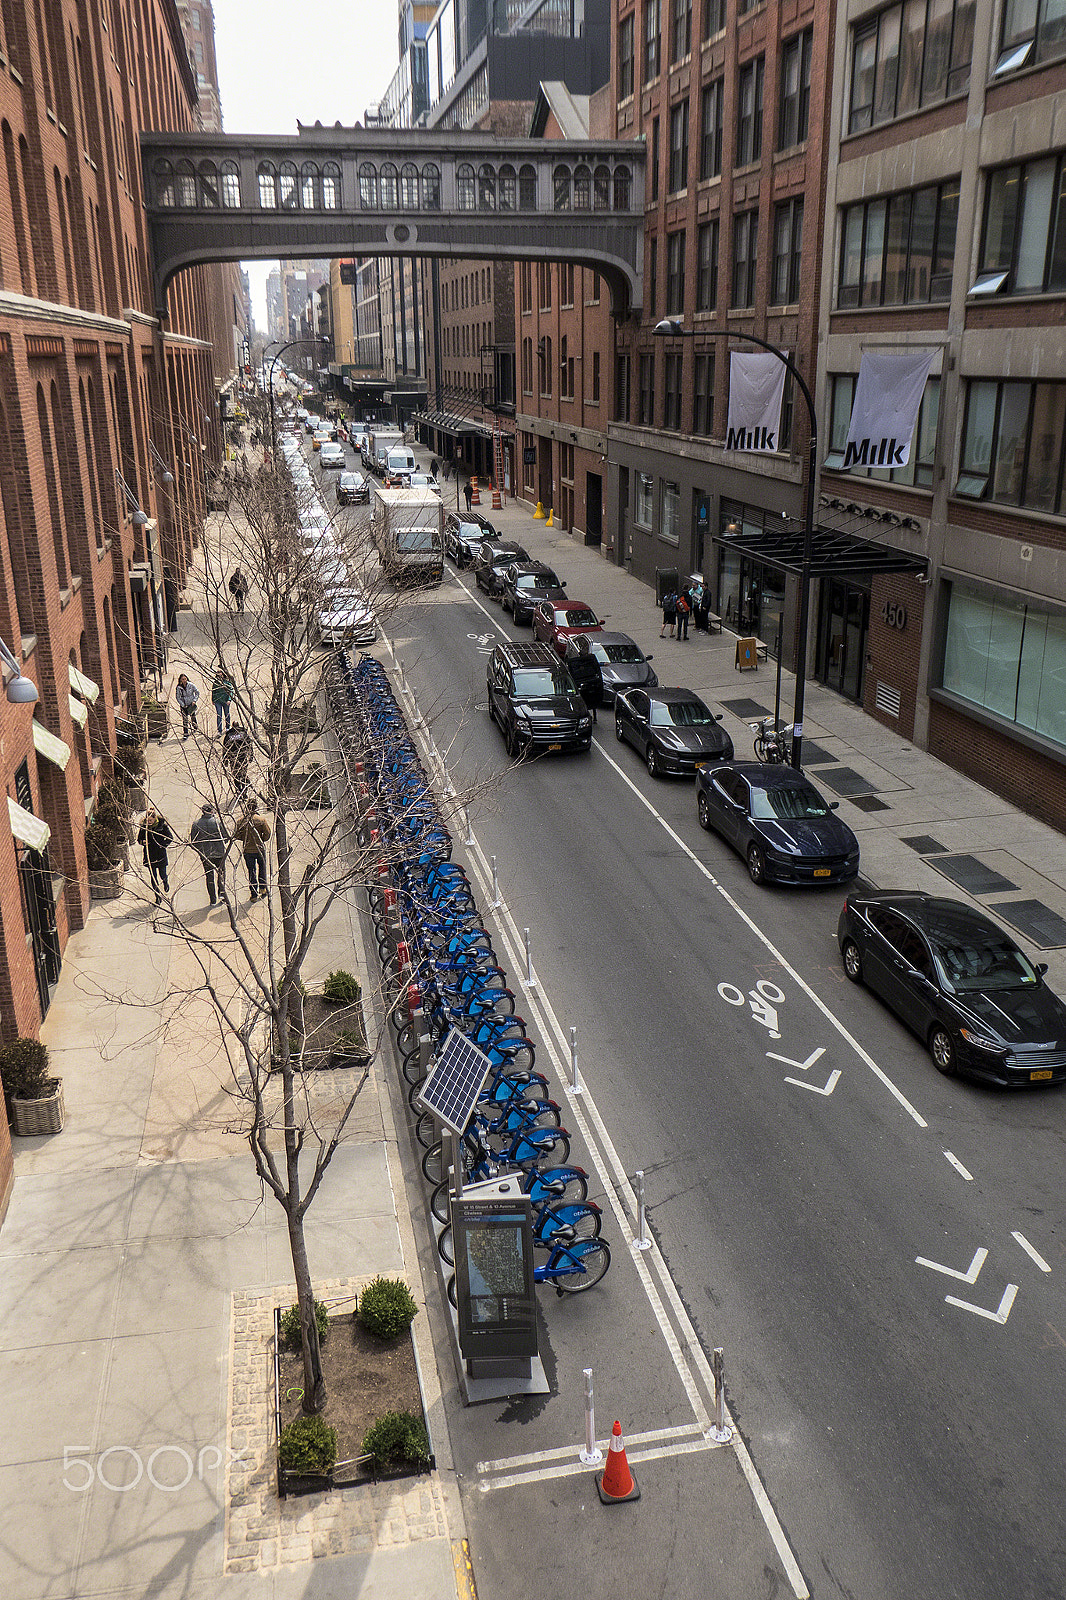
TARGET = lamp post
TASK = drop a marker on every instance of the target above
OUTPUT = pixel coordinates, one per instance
(671, 328)
(270, 389)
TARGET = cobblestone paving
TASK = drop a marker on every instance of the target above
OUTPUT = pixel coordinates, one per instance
(263, 1531)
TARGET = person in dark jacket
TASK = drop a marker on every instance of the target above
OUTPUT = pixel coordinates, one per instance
(154, 837)
(236, 755)
(210, 840)
(251, 833)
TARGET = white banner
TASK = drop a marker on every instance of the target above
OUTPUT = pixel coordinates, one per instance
(885, 410)
(756, 388)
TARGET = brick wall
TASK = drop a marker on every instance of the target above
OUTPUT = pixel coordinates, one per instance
(892, 651)
(1024, 777)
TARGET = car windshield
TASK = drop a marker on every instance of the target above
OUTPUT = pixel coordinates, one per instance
(617, 652)
(791, 801)
(581, 618)
(976, 957)
(539, 683)
(679, 714)
(415, 539)
(470, 530)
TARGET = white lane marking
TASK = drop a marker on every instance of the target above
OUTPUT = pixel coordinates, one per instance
(957, 1164)
(970, 1276)
(833, 1080)
(801, 1066)
(1001, 1313)
(570, 1469)
(537, 1458)
(1035, 1254)
(764, 940)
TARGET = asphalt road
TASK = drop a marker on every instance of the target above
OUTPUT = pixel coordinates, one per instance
(910, 1446)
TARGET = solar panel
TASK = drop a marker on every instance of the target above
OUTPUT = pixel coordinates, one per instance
(454, 1081)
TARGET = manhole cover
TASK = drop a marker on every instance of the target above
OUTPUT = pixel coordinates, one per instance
(973, 875)
(925, 844)
(1035, 920)
(848, 782)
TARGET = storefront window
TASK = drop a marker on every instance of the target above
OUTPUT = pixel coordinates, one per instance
(670, 527)
(1008, 658)
(645, 500)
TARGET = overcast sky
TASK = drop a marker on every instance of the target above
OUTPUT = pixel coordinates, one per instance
(280, 63)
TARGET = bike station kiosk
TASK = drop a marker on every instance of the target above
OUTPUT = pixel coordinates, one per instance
(492, 1234)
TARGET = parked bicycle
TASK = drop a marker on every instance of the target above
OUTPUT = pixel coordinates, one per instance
(773, 743)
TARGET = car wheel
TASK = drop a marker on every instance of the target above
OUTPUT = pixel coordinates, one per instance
(942, 1050)
(852, 959)
(619, 735)
(704, 810)
(652, 759)
(756, 864)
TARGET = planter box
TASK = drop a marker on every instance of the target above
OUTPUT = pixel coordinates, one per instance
(32, 1117)
(310, 790)
(157, 723)
(106, 884)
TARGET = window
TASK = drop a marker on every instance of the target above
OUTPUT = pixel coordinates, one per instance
(1024, 246)
(625, 57)
(525, 285)
(566, 283)
(561, 188)
(486, 187)
(707, 266)
(910, 55)
(703, 394)
(508, 188)
(919, 469)
(675, 273)
(582, 188)
(655, 158)
(331, 186)
(670, 520)
(527, 188)
(595, 396)
(622, 384)
(745, 244)
(1012, 444)
(622, 188)
(645, 506)
(672, 368)
(647, 389)
(713, 17)
(527, 366)
(795, 104)
(679, 147)
(546, 368)
(788, 251)
(544, 285)
(681, 39)
(1008, 657)
(601, 188)
(651, 39)
(900, 249)
(749, 112)
(1032, 31)
(711, 130)
(653, 276)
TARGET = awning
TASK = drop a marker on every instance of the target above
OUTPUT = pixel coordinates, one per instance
(78, 711)
(83, 685)
(833, 554)
(48, 745)
(25, 826)
(448, 422)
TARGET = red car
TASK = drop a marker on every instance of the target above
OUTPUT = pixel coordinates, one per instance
(555, 621)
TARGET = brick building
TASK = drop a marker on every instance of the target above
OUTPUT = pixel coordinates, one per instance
(92, 384)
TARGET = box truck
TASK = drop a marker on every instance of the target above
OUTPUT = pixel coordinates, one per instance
(408, 529)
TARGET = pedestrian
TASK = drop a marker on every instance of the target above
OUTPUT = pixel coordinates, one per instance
(433, 468)
(210, 841)
(223, 690)
(238, 588)
(187, 694)
(669, 613)
(468, 495)
(154, 837)
(252, 832)
(236, 754)
(684, 611)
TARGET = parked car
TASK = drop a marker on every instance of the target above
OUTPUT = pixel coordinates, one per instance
(494, 557)
(463, 536)
(526, 582)
(344, 618)
(424, 480)
(623, 664)
(672, 728)
(332, 456)
(319, 438)
(533, 700)
(310, 423)
(959, 982)
(554, 621)
(776, 819)
(353, 489)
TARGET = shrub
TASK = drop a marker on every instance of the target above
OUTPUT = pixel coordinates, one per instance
(307, 1444)
(103, 845)
(24, 1070)
(386, 1308)
(289, 1326)
(351, 1042)
(340, 988)
(398, 1436)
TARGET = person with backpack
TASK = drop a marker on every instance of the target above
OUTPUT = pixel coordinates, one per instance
(210, 841)
(251, 833)
(187, 694)
(223, 690)
(684, 611)
(669, 613)
(238, 588)
(154, 838)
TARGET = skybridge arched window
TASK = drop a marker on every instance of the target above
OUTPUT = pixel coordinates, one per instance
(268, 186)
(561, 188)
(465, 188)
(508, 188)
(288, 186)
(601, 188)
(390, 188)
(431, 187)
(186, 175)
(409, 186)
(582, 189)
(527, 188)
(310, 186)
(622, 189)
(163, 179)
(207, 185)
(231, 185)
(486, 187)
(368, 186)
(331, 186)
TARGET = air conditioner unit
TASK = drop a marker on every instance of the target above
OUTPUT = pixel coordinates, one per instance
(140, 577)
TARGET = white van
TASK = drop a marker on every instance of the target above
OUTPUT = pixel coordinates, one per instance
(400, 463)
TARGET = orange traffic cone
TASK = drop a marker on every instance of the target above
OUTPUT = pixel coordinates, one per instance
(497, 503)
(475, 498)
(616, 1483)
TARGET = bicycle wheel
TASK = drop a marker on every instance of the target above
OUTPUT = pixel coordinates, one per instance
(427, 1130)
(585, 1220)
(595, 1258)
(407, 1038)
(453, 1295)
(438, 1202)
(762, 749)
(444, 1246)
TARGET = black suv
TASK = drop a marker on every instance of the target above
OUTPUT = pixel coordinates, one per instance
(494, 557)
(463, 534)
(526, 582)
(533, 699)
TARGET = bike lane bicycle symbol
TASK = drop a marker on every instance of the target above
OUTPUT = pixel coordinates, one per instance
(764, 1000)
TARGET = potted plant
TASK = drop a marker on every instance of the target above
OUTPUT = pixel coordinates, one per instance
(104, 856)
(156, 717)
(34, 1099)
(130, 771)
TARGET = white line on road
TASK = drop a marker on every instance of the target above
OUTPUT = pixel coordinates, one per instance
(957, 1164)
(570, 1469)
(537, 1458)
(969, 1276)
(1001, 1313)
(1035, 1254)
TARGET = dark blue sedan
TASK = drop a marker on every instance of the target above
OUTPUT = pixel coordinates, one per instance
(775, 817)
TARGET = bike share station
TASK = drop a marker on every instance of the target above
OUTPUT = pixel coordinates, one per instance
(494, 1320)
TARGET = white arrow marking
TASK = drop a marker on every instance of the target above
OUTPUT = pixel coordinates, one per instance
(1027, 1247)
(980, 1257)
(800, 1065)
(1000, 1315)
(834, 1078)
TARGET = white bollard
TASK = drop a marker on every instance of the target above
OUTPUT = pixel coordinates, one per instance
(470, 840)
(641, 1242)
(720, 1432)
(575, 1081)
(496, 902)
(531, 982)
(590, 1453)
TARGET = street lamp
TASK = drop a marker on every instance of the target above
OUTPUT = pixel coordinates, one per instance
(21, 691)
(270, 389)
(671, 328)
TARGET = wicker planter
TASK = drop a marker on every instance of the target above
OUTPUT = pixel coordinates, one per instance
(31, 1117)
(156, 722)
(106, 884)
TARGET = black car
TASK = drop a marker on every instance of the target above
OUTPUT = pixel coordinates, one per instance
(463, 536)
(960, 983)
(623, 664)
(353, 489)
(526, 582)
(533, 699)
(774, 816)
(494, 557)
(672, 728)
